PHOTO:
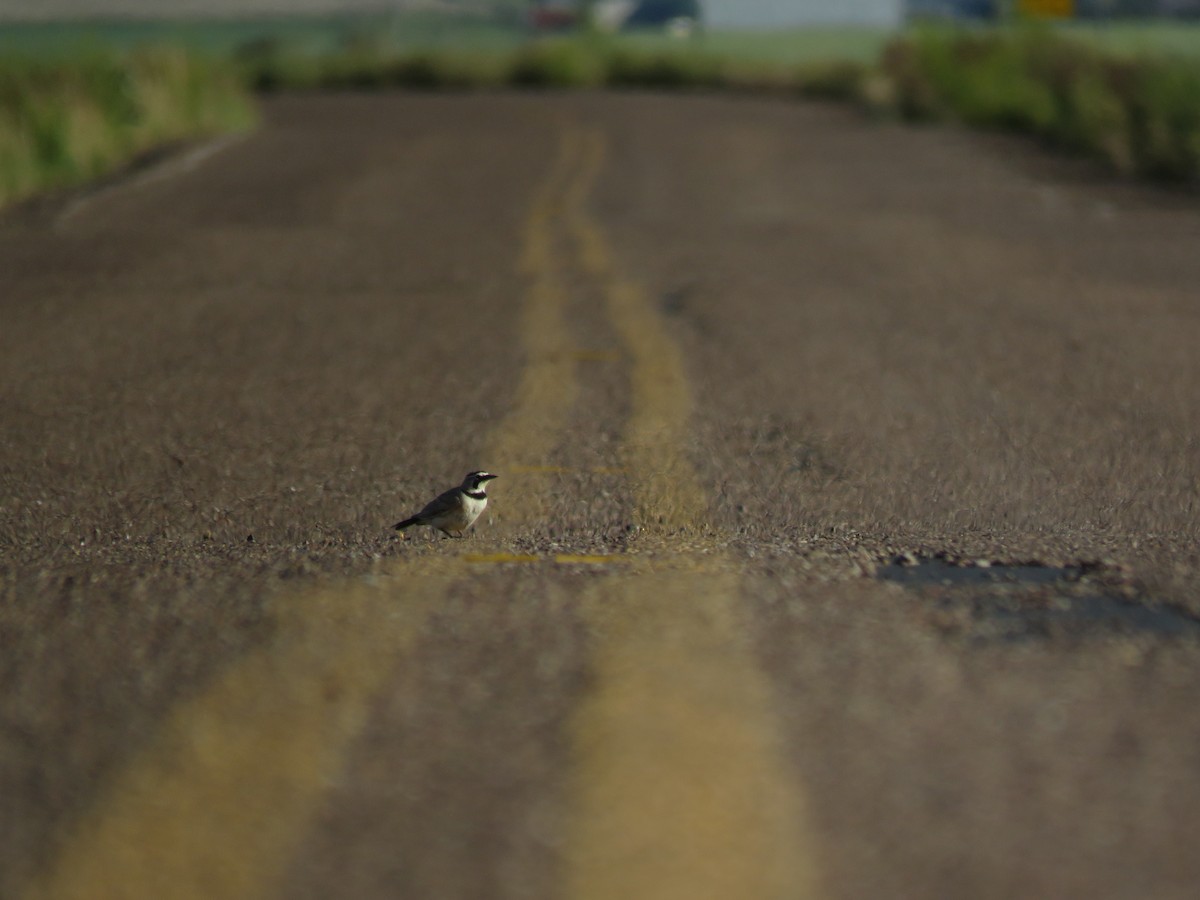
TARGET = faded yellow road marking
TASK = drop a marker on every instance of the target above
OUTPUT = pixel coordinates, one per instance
(668, 490)
(596, 356)
(681, 789)
(501, 558)
(591, 246)
(562, 559)
(213, 808)
(585, 559)
(669, 496)
(548, 387)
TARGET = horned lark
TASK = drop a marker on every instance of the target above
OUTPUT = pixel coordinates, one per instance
(455, 510)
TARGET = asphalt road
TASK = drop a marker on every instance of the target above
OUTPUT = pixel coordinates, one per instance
(845, 544)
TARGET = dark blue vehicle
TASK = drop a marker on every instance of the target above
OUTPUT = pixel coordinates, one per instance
(954, 9)
(659, 13)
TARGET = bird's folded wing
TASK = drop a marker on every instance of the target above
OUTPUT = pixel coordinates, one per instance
(443, 503)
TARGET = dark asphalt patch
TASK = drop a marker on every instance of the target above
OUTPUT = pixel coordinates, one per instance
(913, 572)
(1023, 602)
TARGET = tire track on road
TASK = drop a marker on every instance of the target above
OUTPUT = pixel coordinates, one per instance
(523, 442)
(668, 493)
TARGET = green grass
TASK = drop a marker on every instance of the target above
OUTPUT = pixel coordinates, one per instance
(793, 46)
(416, 31)
(1140, 114)
(559, 63)
(1139, 39)
(304, 35)
(63, 123)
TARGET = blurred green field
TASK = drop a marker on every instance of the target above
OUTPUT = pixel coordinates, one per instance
(222, 37)
(1129, 39)
(318, 35)
(309, 35)
(785, 47)
(57, 40)
(420, 31)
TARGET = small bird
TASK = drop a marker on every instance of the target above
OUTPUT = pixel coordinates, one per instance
(455, 510)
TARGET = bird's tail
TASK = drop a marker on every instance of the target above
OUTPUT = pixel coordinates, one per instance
(400, 526)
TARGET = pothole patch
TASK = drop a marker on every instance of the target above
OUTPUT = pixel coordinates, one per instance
(1027, 601)
(915, 572)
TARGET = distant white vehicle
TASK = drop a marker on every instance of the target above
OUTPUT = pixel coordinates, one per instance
(679, 18)
(610, 15)
(681, 27)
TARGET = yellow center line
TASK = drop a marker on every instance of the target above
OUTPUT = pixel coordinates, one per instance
(215, 805)
(668, 493)
(501, 558)
(587, 559)
(526, 438)
(562, 559)
(681, 788)
(596, 356)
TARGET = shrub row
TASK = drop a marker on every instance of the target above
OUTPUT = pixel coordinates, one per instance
(1140, 116)
(62, 123)
(551, 64)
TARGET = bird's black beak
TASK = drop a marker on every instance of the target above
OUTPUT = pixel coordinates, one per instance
(489, 477)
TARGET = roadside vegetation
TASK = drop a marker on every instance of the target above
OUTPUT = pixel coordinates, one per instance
(560, 63)
(66, 122)
(1129, 97)
(1138, 113)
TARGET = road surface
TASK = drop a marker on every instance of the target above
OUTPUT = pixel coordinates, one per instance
(845, 544)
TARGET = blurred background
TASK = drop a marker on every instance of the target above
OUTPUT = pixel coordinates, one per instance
(222, 25)
(86, 86)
